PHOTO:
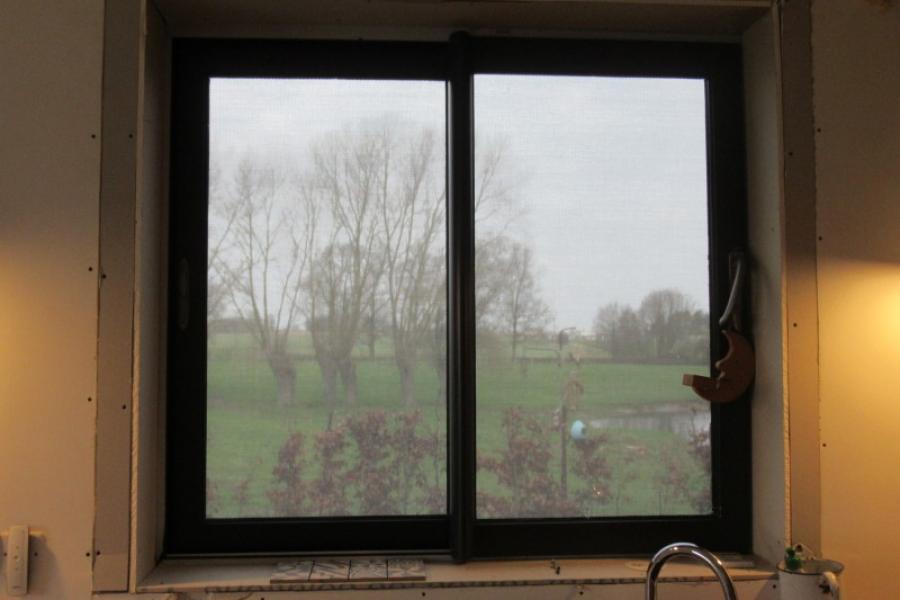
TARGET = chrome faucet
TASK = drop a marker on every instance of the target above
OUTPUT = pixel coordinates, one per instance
(695, 551)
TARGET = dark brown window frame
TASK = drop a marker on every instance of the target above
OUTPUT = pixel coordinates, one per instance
(459, 533)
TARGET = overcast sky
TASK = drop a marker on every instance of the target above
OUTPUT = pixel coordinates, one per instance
(609, 173)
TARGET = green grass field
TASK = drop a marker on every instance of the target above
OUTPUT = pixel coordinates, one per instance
(246, 428)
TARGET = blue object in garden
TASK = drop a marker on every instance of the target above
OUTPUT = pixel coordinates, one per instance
(578, 430)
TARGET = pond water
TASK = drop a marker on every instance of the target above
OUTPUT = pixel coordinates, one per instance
(681, 419)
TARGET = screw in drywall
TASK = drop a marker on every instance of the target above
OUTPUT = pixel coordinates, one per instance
(90, 268)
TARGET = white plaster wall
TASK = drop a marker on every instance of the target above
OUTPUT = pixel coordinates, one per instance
(50, 76)
(765, 228)
(856, 54)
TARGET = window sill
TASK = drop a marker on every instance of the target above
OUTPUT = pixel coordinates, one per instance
(233, 575)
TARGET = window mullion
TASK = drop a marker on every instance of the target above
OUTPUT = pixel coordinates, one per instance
(461, 291)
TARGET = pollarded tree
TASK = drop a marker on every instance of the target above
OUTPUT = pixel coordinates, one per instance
(221, 225)
(412, 203)
(262, 261)
(333, 321)
(345, 181)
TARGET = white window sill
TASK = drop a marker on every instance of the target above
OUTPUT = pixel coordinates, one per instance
(243, 576)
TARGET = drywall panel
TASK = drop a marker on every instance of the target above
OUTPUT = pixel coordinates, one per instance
(856, 47)
(799, 275)
(150, 293)
(114, 345)
(51, 66)
(437, 19)
(763, 135)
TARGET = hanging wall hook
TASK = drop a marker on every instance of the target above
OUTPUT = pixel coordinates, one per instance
(738, 367)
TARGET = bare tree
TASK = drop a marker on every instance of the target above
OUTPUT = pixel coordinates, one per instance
(662, 311)
(666, 326)
(606, 327)
(495, 203)
(506, 294)
(523, 309)
(261, 263)
(620, 331)
(373, 322)
(412, 218)
(221, 225)
(490, 279)
(363, 242)
(334, 321)
(347, 169)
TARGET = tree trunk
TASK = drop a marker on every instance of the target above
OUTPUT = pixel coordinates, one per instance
(285, 378)
(407, 383)
(329, 382)
(372, 335)
(348, 378)
(441, 397)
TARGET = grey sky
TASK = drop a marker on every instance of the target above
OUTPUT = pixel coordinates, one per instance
(610, 173)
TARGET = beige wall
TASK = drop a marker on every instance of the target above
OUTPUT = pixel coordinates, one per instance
(856, 55)
(51, 68)
(50, 76)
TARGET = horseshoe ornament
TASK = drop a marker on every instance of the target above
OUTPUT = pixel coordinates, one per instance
(736, 371)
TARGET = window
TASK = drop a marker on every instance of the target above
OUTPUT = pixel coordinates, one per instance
(438, 297)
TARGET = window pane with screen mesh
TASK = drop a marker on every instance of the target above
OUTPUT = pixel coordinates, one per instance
(326, 309)
(592, 296)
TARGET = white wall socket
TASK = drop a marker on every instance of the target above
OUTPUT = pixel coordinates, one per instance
(17, 561)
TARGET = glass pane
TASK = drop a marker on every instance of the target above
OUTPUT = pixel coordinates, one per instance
(326, 302)
(592, 296)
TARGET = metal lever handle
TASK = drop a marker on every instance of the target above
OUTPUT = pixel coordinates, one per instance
(736, 287)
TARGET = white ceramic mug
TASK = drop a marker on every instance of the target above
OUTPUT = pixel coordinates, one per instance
(815, 580)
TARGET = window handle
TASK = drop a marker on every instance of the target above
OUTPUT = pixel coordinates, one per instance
(737, 259)
(738, 367)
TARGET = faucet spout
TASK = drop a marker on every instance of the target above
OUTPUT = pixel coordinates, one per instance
(692, 550)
